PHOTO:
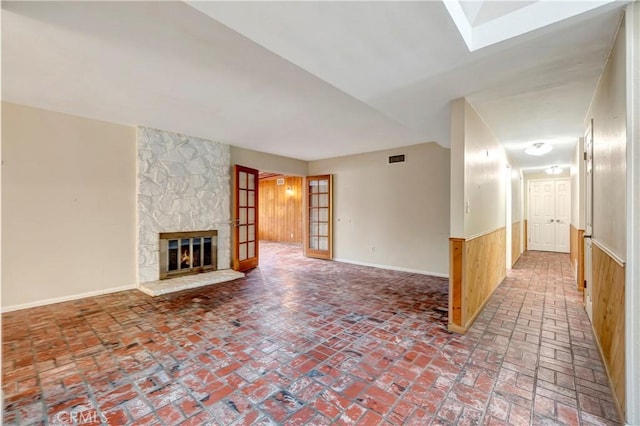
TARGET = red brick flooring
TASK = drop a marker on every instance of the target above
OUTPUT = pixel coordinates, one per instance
(302, 341)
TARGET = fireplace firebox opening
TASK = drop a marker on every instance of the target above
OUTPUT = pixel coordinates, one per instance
(187, 253)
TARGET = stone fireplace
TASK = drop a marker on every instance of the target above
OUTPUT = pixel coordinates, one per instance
(183, 186)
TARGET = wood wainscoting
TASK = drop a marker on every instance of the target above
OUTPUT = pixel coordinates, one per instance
(608, 318)
(515, 242)
(576, 254)
(477, 266)
(526, 234)
(456, 250)
(280, 210)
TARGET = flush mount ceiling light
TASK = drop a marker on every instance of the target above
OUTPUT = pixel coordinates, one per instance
(554, 170)
(538, 149)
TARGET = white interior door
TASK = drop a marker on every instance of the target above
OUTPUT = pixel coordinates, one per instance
(588, 150)
(549, 215)
(588, 276)
(541, 215)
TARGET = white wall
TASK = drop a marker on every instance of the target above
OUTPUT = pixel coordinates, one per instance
(484, 170)
(608, 111)
(611, 184)
(479, 158)
(457, 160)
(68, 198)
(517, 203)
(517, 212)
(392, 215)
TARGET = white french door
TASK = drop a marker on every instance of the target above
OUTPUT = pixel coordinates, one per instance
(549, 215)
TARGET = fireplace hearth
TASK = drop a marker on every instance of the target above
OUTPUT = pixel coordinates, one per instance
(188, 253)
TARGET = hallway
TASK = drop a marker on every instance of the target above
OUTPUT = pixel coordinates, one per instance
(305, 341)
(535, 321)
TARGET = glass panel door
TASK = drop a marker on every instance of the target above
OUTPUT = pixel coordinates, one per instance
(245, 218)
(318, 215)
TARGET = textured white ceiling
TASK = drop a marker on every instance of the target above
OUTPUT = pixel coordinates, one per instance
(308, 80)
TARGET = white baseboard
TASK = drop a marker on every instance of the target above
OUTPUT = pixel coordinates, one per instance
(392, 268)
(135, 286)
(67, 298)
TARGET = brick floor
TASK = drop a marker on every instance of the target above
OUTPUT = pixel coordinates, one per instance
(302, 341)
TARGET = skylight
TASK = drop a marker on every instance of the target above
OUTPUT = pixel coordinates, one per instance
(502, 22)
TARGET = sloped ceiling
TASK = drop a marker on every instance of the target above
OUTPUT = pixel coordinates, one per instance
(307, 80)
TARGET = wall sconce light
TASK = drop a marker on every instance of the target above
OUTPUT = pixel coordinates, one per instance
(538, 149)
(289, 190)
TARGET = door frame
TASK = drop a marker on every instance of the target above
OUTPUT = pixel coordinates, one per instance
(632, 269)
(508, 215)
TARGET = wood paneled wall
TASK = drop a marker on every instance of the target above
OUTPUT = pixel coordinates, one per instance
(456, 250)
(526, 235)
(576, 254)
(280, 211)
(477, 267)
(515, 242)
(608, 317)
